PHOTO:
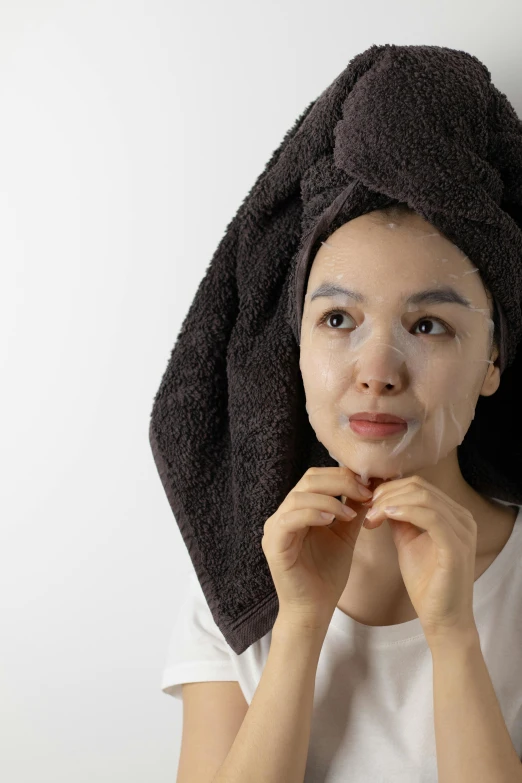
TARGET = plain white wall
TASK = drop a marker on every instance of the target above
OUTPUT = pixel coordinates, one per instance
(130, 134)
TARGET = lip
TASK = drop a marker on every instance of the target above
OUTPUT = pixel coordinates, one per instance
(376, 429)
(381, 418)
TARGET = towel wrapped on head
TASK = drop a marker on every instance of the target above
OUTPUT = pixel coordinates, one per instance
(230, 432)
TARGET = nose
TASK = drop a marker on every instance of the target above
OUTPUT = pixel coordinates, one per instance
(375, 386)
(380, 370)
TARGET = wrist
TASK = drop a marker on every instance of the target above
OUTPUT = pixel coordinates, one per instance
(289, 625)
(455, 641)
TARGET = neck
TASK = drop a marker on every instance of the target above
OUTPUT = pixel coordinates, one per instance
(447, 477)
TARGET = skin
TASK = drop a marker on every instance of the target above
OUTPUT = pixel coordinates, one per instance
(437, 380)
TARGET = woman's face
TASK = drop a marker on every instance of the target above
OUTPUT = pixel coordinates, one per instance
(426, 361)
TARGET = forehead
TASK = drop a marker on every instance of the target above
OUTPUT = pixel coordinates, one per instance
(391, 257)
(368, 238)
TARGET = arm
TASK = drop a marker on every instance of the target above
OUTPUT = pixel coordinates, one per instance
(473, 743)
(272, 744)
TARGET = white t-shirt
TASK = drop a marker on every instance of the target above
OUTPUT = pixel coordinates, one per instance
(373, 703)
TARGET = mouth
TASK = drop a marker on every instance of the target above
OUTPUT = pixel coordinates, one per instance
(377, 425)
(381, 418)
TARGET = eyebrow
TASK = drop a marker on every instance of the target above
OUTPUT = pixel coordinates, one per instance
(445, 294)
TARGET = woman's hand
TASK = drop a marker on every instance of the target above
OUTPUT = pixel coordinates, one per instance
(309, 556)
(436, 540)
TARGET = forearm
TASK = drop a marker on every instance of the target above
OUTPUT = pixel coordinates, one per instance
(272, 743)
(472, 741)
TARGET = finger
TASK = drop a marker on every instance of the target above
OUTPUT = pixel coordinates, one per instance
(333, 481)
(419, 483)
(281, 534)
(304, 500)
(435, 521)
(458, 518)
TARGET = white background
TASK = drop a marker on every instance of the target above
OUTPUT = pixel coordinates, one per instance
(130, 133)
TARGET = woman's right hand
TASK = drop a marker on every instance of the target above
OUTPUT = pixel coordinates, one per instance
(309, 556)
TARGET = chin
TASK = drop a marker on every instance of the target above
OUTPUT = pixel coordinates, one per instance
(374, 474)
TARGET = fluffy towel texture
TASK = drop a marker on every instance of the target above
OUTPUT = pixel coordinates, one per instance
(229, 431)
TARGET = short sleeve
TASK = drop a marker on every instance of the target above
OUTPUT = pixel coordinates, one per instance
(197, 649)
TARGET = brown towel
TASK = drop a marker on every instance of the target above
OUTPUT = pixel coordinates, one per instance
(230, 435)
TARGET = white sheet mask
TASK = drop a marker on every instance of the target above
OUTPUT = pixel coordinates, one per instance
(377, 358)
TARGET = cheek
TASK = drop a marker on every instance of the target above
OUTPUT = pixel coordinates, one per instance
(322, 391)
(323, 374)
(449, 401)
(456, 383)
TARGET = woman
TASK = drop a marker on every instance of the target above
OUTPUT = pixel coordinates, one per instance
(309, 647)
(372, 668)
(434, 381)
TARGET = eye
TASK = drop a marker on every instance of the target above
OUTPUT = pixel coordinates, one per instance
(334, 311)
(429, 319)
(424, 320)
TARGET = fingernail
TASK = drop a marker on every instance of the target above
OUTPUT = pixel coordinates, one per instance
(350, 513)
(367, 493)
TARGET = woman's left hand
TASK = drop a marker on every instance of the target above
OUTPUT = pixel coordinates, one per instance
(436, 540)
